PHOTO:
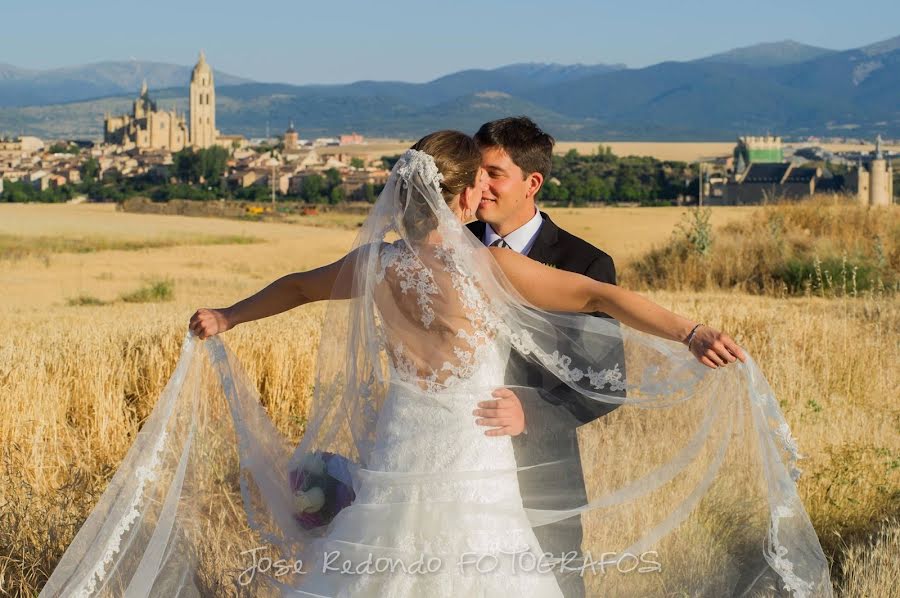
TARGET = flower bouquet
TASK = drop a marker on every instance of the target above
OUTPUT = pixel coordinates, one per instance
(322, 486)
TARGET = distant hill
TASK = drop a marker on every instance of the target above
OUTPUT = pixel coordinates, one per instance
(784, 88)
(769, 54)
(21, 87)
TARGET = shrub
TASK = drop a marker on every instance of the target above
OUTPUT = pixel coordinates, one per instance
(159, 290)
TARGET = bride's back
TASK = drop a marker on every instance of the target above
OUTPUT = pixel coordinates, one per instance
(431, 315)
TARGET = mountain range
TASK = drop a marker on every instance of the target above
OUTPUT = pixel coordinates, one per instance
(785, 87)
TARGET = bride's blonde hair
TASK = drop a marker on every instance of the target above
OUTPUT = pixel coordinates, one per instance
(458, 159)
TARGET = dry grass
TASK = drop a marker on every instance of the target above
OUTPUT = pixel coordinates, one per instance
(627, 233)
(826, 246)
(871, 566)
(76, 381)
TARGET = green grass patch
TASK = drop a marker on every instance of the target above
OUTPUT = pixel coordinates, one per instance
(84, 300)
(153, 292)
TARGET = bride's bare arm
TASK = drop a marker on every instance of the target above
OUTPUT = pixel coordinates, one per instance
(288, 292)
(557, 290)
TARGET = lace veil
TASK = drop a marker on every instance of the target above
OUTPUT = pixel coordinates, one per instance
(642, 472)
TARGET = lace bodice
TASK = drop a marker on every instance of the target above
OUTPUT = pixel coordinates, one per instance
(434, 349)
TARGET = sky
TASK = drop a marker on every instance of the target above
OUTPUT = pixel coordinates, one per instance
(300, 41)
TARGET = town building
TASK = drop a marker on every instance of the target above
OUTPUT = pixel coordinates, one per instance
(20, 146)
(352, 139)
(291, 139)
(768, 149)
(759, 174)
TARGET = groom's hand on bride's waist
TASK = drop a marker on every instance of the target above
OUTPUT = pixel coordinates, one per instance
(503, 414)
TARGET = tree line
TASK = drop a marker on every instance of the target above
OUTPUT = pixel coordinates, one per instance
(603, 177)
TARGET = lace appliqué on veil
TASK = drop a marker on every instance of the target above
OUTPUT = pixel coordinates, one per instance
(777, 556)
(561, 364)
(143, 474)
(787, 440)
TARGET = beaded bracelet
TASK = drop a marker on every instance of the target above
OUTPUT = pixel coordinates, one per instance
(690, 337)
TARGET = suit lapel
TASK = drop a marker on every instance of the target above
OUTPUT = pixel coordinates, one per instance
(477, 228)
(543, 248)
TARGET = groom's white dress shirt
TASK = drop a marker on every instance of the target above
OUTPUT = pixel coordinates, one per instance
(521, 239)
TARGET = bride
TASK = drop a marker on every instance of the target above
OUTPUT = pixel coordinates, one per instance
(395, 490)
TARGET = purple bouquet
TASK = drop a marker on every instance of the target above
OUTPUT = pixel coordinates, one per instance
(322, 487)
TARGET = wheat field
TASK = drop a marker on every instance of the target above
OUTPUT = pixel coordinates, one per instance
(81, 365)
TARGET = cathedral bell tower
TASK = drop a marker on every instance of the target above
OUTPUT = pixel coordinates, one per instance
(203, 105)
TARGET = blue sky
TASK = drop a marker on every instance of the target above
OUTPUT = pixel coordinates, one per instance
(346, 40)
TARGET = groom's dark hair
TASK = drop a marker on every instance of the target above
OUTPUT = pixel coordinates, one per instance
(530, 148)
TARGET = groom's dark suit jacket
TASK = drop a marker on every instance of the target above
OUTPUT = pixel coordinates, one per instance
(561, 249)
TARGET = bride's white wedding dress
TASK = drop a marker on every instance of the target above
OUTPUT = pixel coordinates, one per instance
(437, 514)
(473, 529)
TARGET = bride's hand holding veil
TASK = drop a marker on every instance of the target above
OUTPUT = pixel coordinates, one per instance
(566, 291)
(209, 322)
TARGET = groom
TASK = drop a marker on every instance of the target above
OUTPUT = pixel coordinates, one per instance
(516, 154)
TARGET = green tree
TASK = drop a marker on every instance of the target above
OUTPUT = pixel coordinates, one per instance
(312, 188)
(187, 166)
(389, 161)
(333, 178)
(63, 148)
(358, 163)
(369, 193)
(90, 169)
(336, 195)
(213, 164)
(628, 186)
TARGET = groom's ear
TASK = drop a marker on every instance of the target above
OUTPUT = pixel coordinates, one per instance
(533, 184)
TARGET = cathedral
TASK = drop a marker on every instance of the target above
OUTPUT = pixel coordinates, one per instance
(147, 127)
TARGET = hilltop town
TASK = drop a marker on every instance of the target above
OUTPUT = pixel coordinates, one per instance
(151, 144)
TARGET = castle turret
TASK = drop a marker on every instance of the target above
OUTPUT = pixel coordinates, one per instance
(875, 180)
(879, 177)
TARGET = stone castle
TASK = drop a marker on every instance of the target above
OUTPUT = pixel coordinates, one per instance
(147, 127)
(875, 180)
